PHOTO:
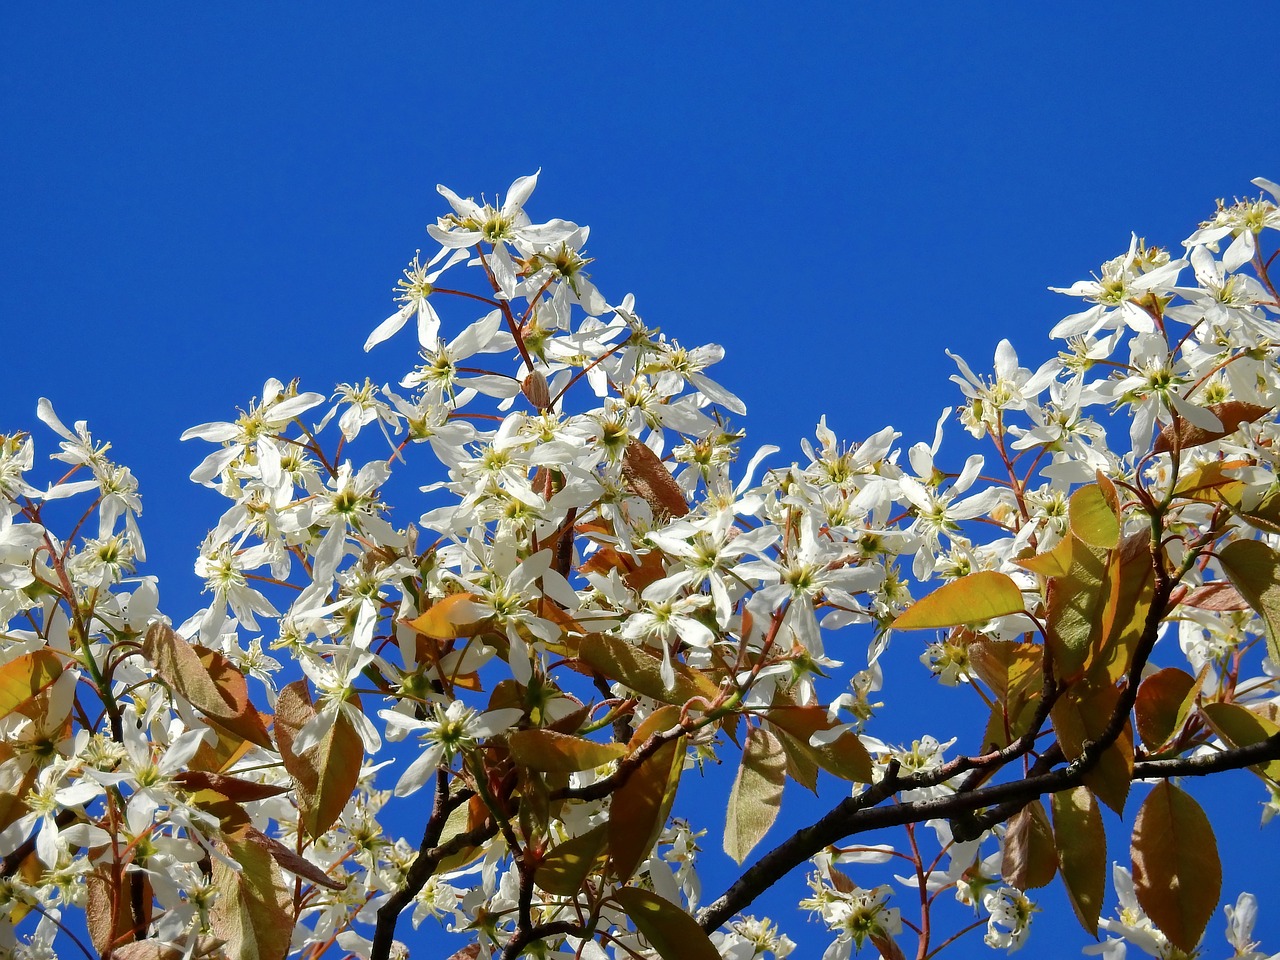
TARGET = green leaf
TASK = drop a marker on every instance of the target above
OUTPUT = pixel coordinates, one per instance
(24, 677)
(1082, 853)
(1030, 860)
(668, 928)
(1051, 563)
(1215, 481)
(552, 752)
(977, 598)
(639, 808)
(1176, 872)
(1076, 602)
(208, 681)
(845, 757)
(1160, 698)
(1092, 518)
(566, 867)
(1241, 727)
(253, 911)
(326, 774)
(1254, 569)
(756, 796)
(642, 671)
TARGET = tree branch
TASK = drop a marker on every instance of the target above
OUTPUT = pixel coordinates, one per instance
(859, 814)
(424, 864)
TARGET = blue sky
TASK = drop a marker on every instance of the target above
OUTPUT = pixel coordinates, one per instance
(198, 198)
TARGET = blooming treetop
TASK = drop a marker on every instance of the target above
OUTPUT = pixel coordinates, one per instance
(598, 594)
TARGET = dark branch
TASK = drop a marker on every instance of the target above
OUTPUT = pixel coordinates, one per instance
(859, 814)
(420, 871)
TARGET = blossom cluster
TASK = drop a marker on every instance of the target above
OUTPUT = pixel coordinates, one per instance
(600, 589)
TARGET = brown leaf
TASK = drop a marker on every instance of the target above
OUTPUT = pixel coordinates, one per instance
(1182, 435)
(640, 670)
(207, 680)
(534, 387)
(233, 788)
(646, 477)
(295, 863)
(845, 757)
(205, 947)
(326, 774)
(1015, 674)
(1238, 726)
(1081, 715)
(1158, 706)
(1130, 590)
(108, 907)
(639, 808)
(1218, 595)
(1176, 872)
(253, 912)
(1030, 860)
(549, 751)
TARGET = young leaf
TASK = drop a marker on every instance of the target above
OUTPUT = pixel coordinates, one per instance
(1254, 569)
(1015, 674)
(326, 774)
(647, 477)
(564, 869)
(756, 796)
(639, 808)
(208, 681)
(1051, 563)
(1176, 872)
(845, 756)
(253, 912)
(1080, 715)
(1092, 518)
(25, 676)
(977, 598)
(1082, 853)
(1030, 860)
(616, 659)
(668, 928)
(1076, 604)
(1217, 595)
(802, 765)
(1182, 434)
(1130, 589)
(552, 752)
(1241, 727)
(1160, 697)
(108, 906)
(295, 862)
(448, 619)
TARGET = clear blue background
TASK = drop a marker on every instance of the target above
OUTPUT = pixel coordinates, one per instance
(196, 199)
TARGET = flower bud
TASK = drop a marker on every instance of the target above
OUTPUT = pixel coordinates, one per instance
(536, 391)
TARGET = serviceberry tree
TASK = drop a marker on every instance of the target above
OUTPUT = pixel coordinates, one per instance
(602, 590)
